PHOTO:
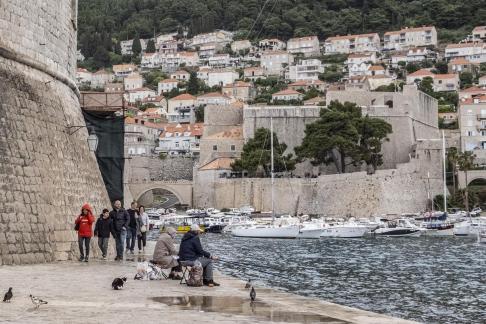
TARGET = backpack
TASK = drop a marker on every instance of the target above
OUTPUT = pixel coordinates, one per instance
(195, 275)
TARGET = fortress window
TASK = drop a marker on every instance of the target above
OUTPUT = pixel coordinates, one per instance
(215, 147)
(389, 103)
(233, 148)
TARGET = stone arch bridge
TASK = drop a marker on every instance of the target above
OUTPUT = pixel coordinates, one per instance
(471, 176)
(182, 189)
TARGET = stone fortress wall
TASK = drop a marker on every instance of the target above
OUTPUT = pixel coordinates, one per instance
(413, 152)
(45, 173)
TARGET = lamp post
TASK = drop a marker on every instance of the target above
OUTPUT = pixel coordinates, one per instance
(92, 138)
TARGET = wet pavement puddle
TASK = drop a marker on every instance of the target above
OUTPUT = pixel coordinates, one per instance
(242, 306)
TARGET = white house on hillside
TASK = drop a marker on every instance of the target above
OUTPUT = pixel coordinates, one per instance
(309, 45)
(133, 81)
(220, 77)
(274, 63)
(473, 52)
(305, 70)
(166, 85)
(352, 44)
(287, 94)
(410, 37)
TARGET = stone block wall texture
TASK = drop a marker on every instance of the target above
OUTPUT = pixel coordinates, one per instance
(147, 168)
(45, 174)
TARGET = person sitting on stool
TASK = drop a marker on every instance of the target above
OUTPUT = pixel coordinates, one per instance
(191, 250)
(165, 253)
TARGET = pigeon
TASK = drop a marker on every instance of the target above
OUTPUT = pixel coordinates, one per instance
(248, 284)
(252, 294)
(8, 296)
(117, 283)
(37, 302)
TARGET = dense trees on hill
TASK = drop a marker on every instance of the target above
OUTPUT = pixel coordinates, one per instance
(104, 22)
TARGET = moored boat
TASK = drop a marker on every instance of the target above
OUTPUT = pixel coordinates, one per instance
(398, 228)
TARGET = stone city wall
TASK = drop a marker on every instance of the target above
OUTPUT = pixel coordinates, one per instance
(400, 190)
(46, 175)
(146, 168)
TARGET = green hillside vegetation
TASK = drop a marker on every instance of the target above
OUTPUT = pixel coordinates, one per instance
(102, 23)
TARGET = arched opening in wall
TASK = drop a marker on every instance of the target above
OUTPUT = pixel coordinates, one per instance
(161, 199)
(389, 103)
(477, 193)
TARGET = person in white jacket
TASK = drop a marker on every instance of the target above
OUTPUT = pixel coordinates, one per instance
(143, 222)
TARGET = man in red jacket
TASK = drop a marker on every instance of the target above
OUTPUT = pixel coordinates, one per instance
(84, 224)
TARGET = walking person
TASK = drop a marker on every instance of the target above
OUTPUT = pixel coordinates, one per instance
(84, 224)
(121, 219)
(103, 229)
(132, 227)
(143, 226)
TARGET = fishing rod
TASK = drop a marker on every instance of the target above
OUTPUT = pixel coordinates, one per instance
(262, 269)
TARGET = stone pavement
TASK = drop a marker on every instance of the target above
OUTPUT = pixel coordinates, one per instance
(79, 292)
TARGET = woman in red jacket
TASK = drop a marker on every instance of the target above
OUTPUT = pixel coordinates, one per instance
(84, 223)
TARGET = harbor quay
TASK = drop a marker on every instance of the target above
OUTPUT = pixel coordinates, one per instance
(79, 292)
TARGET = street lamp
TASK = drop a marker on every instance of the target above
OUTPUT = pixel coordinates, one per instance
(92, 138)
(93, 142)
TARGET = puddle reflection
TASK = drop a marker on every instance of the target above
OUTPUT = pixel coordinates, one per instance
(242, 306)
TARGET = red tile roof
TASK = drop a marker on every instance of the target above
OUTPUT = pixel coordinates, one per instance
(286, 92)
(184, 96)
(410, 29)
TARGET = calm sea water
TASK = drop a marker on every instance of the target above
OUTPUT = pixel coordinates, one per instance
(431, 280)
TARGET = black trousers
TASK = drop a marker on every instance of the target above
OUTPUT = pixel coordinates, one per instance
(86, 241)
(142, 239)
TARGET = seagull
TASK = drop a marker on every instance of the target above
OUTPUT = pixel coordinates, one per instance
(248, 284)
(37, 302)
(8, 296)
(252, 294)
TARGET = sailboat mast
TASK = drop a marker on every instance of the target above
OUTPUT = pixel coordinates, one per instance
(272, 166)
(444, 166)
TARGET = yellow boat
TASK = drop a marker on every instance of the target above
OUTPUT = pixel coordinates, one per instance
(181, 229)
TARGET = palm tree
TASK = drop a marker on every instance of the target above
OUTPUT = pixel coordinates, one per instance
(466, 162)
(452, 159)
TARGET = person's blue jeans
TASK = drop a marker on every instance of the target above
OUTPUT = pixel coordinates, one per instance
(131, 238)
(120, 243)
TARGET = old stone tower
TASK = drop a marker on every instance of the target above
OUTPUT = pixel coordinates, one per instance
(45, 173)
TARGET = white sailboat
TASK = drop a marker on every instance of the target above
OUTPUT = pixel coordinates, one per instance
(283, 227)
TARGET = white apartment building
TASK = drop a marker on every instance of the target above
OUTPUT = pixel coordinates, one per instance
(166, 47)
(159, 39)
(410, 37)
(213, 98)
(253, 73)
(309, 45)
(126, 46)
(180, 75)
(138, 95)
(479, 33)
(219, 60)
(472, 124)
(180, 139)
(275, 63)
(208, 50)
(166, 85)
(287, 94)
(305, 70)
(271, 45)
(101, 78)
(442, 82)
(150, 61)
(417, 54)
(358, 63)
(123, 70)
(83, 76)
(473, 52)
(140, 136)
(220, 77)
(352, 44)
(220, 36)
(133, 81)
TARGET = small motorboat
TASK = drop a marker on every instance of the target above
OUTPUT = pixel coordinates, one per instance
(401, 227)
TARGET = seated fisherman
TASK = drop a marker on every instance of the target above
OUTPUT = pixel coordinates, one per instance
(191, 250)
(165, 253)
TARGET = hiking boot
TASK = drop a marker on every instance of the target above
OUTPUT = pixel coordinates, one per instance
(81, 258)
(117, 258)
(104, 257)
(86, 259)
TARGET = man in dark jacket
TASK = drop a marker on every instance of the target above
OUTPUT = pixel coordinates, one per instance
(132, 227)
(191, 250)
(103, 229)
(121, 220)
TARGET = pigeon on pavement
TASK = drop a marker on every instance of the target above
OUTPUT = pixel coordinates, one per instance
(8, 296)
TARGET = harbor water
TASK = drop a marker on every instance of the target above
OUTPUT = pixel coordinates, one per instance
(430, 280)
